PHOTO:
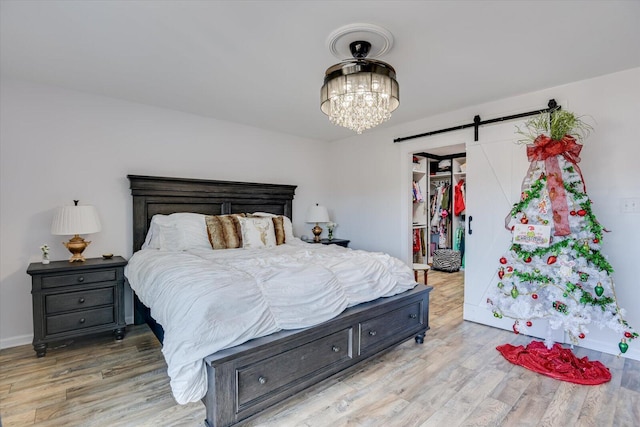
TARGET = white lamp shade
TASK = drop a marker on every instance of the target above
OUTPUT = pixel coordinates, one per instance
(70, 220)
(318, 213)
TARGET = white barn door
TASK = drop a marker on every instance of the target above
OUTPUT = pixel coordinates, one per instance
(496, 166)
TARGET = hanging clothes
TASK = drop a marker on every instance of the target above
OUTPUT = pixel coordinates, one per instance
(416, 240)
(458, 199)
(417, 193)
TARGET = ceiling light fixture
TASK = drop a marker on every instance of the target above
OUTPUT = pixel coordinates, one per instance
(360, 93)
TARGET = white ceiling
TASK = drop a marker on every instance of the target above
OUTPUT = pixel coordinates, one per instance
(262, 63)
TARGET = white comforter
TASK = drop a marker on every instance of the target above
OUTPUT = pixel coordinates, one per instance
(209, 300)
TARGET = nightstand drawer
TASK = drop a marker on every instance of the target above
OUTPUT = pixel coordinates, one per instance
(77, 278)
(78, 300)
(79, 320)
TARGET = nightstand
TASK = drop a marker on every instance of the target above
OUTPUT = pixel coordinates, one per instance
(340, 242)
(76, 299)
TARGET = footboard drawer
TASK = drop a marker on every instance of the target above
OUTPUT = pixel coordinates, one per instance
(260, 379)
(377, 331)
(251, 377)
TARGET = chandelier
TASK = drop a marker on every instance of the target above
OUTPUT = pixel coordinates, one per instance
(359, 93)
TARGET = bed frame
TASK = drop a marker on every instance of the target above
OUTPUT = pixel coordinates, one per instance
(249, 378)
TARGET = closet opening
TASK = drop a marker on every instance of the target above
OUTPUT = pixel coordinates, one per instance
(438, 216)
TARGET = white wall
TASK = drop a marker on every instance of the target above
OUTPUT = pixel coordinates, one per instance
(57, 145)
(371, 195)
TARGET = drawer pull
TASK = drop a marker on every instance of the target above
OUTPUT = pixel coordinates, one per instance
(372, 333)
(262, 380)
(81, 279)
(82, 320)
(335, 348)
(413, 316)
(80, 300)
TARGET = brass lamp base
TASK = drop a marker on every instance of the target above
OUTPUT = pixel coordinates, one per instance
(76, 246)
(317, 231)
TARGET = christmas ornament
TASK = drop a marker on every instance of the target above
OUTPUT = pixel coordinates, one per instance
(581, 336)
(628, 334)
(552, 259)
(503, 260)
(599, 289)
(623, 346)
(534, 296)
(514, 292)
(560, 306)
(529, 323)
(501, 273)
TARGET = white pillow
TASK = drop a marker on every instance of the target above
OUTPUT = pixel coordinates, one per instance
(177, 232)
(288, 226)
(257, 233)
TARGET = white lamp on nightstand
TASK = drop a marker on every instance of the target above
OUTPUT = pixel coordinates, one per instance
(317, 214)
(73, 221)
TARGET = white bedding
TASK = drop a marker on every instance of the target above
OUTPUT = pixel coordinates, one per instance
(208, 300)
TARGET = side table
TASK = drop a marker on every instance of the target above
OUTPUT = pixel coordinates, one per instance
(76, 299)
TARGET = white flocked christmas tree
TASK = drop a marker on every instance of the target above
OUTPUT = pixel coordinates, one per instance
(554, 268)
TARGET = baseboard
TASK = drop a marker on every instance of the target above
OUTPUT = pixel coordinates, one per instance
(16, 341)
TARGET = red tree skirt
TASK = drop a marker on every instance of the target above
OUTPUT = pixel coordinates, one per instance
(557, 362)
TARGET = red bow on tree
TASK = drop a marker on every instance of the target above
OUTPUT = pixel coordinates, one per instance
(547, 150)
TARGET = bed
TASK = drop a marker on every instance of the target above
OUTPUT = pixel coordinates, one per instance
(249, 377)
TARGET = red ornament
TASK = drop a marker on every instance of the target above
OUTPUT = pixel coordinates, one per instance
(503, 260)
(501, 273)
(573, 213)
(551, 260)
(596, 241)
(515, 328)
(513, 227)
(627, 334)
(524, 220)
(534, 296)
(581, 336)
(509, 269)
(582, 212)
(527, 259)
(529, 323)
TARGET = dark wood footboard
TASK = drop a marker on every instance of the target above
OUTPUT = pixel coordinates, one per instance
(249, 378)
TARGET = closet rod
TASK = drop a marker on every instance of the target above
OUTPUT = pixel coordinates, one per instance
(552, 106)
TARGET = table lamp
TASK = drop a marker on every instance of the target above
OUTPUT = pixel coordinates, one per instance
(75, 220)
(317, 214)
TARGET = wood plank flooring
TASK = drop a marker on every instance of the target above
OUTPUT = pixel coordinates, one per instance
(456, 378)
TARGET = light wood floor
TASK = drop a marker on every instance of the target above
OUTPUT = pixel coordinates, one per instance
(456, 378)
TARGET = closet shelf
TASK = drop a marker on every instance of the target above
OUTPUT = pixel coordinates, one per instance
(441, 175)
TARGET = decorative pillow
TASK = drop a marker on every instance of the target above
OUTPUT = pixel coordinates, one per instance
(224, 231)
(257, 233)
(278, 227)
(177, 232)
(288, 226)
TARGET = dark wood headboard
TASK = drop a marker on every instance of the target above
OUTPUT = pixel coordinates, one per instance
(160, 195)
